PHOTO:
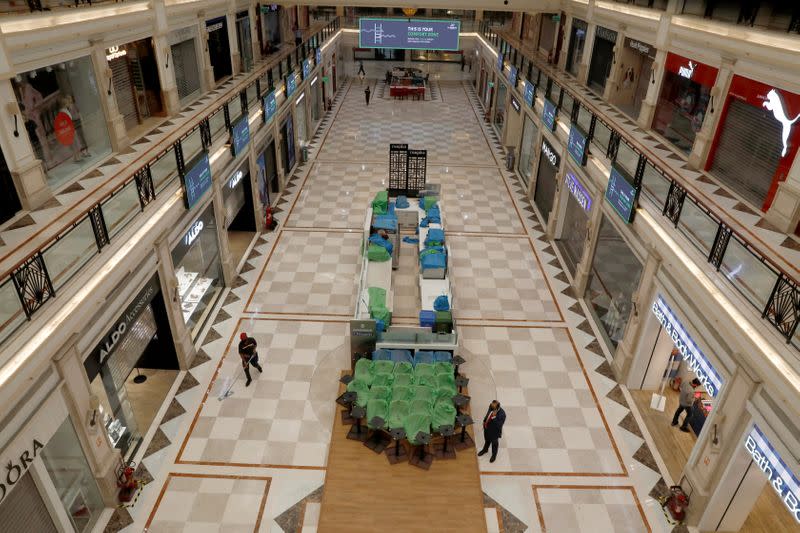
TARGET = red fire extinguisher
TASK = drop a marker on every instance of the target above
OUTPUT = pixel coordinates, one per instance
(126, 482)
(676, 503)
(269, 220)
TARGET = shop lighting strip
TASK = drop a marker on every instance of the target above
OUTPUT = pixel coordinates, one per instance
(49, 329)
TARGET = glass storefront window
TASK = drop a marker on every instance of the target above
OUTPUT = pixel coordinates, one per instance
(300, 116)
(198, 269)
(500, 109)
(613, 280)
(61, 112)
(66, 463)
(526, 149)
(576, 46)
(573, 236)
(681, 110)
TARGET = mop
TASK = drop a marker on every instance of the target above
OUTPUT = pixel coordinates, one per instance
(658, 401)
(228, 382)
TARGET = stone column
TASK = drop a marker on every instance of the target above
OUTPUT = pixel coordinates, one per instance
(228, 265)
(115, 123)
(172, 301)
(705, 137)
(478, 15)
(784, 212)
(648, 109)
(258, 209)
(253, 15)
(340, 11)
(612, 82)
(562, 59)
(552, 221)
(588, 46)
(202, 36)
(584, 267)
(102, 458)
(626, 349)
(233, 42)
(163, 53)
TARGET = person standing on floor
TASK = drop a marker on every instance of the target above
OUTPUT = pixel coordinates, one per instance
(493, 429)
(249, 355)
(361, 68)
(366, 94)
(685, 403)
(463, 62)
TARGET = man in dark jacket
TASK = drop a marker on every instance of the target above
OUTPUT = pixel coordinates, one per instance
(493, 429)
(247, 351)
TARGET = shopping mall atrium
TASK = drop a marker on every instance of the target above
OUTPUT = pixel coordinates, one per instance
(456, 266)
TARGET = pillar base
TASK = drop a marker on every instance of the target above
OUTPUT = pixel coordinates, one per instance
(171, 101)
(208, 74)
(784, 213)
(583, 73)
(119, 134)
(32, 187)
(646, 114)
(697, 157)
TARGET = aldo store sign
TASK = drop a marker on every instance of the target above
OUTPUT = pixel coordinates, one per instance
(695, 359)
(780, 477)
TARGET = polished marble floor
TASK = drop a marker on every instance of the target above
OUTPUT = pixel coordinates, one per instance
(572, 457)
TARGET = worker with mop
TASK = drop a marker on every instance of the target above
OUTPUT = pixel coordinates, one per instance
(249, 355)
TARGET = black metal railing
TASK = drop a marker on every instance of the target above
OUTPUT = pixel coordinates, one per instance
(26, 287)
(771, 290)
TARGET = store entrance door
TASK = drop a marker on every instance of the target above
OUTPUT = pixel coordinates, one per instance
(219, 49)
(245, 40)
(602, 57)
(287, 145)
(11, 203)
(136, 83)
(239, 212)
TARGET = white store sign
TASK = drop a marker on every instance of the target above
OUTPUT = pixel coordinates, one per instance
(782, 480)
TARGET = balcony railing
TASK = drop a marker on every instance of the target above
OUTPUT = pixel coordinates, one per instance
(762, 282)
(30, 284)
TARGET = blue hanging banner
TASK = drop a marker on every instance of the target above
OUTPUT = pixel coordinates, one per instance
(577, 144)
(512, 76)
(240, 133)
(291, 84)
(196, 181)
(318, 56)
(500, 62)
(306, 67)
(549, 114)
(621, 194)
(529, 93)
(270, 106)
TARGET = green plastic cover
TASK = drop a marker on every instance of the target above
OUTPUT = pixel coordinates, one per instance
(446, 382)
(416, 422)
(428, 381)
(402, 393)
(377, 407)
(382, 380)
(381, 313)
(380, 392)
(444, 414)
(380, 204)
(428, 202)
(421, 392)
(443, 395)
(403, 380)
(443, 368)
(382, 367)
(398, 411)
(419, 405)
(403, 367)
(363, 368)
(377, 253)
(377, 297)
(424, 369)
(360, 387)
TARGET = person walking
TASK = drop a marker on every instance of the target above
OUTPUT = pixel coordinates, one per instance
(366, 94)
(361, 68)
(249, 355)
(685, 403)
(463, 62)
(493, 429)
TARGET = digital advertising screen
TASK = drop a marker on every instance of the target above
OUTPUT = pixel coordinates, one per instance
(500, 62)
(415, 34)
(577, 144)
(306, 67)
(621, 194)
(291, 84)
(196, 181)
(529, 93)
(512, 76)
(270, 106)
(240, 132)
(318, 56)
(549, 114)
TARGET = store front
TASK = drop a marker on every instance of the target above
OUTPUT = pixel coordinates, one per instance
(613, 280)
(482, 81)
(268, 182)
(545, 191)
(287, 145)
(635, 72)
(244, 39)
(577, 43)
(300, 118)
(753, 165)
(602, 58)
(219, 48)
(548, 31)
(132, 367)
(62, 116)
(8, 191)
(270, 28)
(184, 61)
(681, 106)
(136, 84)
(527, 149)
(316, 89)
(500, 109)
(198, 269)
(668, 356)
(239, 211)
(48, 485)
(574, 220)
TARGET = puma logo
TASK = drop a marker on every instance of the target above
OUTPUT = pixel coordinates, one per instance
(774, 103)
(687, 72)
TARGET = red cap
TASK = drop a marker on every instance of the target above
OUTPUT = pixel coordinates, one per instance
(243, 335)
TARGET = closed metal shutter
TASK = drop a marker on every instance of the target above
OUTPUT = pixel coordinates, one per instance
(184, 59)
(131, 348)
(126, 94)
(545, 187)
(748, 151)
(138, 83)
(23, 510)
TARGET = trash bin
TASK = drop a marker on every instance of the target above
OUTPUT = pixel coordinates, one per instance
(304, 153)
(510, 158)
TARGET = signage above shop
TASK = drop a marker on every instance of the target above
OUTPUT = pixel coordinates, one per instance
(121, 328)
(215, 24)
(197, 181)
(695, 359)
(115, 52)
(549, 114)
(578, 191)
(235, 179)
(606, 34)
(240, 135)
(528, 92)
(270, 106)
(306, 67)
(621, 193)
(406, 33)
(691, 70)
(643, 48)
(781, 478)
(577, 144)
(550, 154)
(193, 233)
(515, 104)
(269, 8)
(500, 62)
(512, 76)
(291, 84)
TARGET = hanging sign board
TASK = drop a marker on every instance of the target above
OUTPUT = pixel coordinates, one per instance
(414, 34)
(306, 67)
(512, 76)
(318, 56)
(577, 144)
(500, 62)
(621, 194)
(550, 154)
(515, 104)
(291, 84)
(549, 114)
(528, 92)
(695, 359)
(270, 106)
(240, 134)
(781, 478)
(196, 181)
(578, 191)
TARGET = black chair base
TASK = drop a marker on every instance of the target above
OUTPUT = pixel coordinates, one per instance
(378, 441)
(396, 455)
(459, 445)
(441, 453)
(354, 434)
(421, 462)
(347, 420)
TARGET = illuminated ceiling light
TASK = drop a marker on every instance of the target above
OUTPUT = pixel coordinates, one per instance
(409, 11)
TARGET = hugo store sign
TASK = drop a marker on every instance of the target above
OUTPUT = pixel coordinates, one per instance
(695, 359)
(782, 479)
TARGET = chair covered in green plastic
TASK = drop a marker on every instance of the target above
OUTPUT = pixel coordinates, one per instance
(444, 414)
(382, 380)
(402, 392)
(424, 369)
(421, 405)
(443, 368)
(403, 380)
(398, 411)
(377, 407)
(403, 367)
(363, 370)
(416, 422)
(428, 381)
(360, 387)
(382, 367)
(380, 392)
(443, 395)
(446, 382)
(421, 392)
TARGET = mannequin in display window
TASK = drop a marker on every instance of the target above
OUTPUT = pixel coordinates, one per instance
(79, 148)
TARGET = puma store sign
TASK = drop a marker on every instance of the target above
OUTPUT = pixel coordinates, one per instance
(780, 477)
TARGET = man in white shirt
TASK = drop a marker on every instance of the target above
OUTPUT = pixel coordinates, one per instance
(685, 403)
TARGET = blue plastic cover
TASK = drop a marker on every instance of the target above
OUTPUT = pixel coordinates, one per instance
(442, 357)
(441, 303)
(427, 319)
(381, 355)
(380, 241)
(387, 222)
(434, 235)
(401, 202)
(401, 356)
(423, 356)
(432, 261)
